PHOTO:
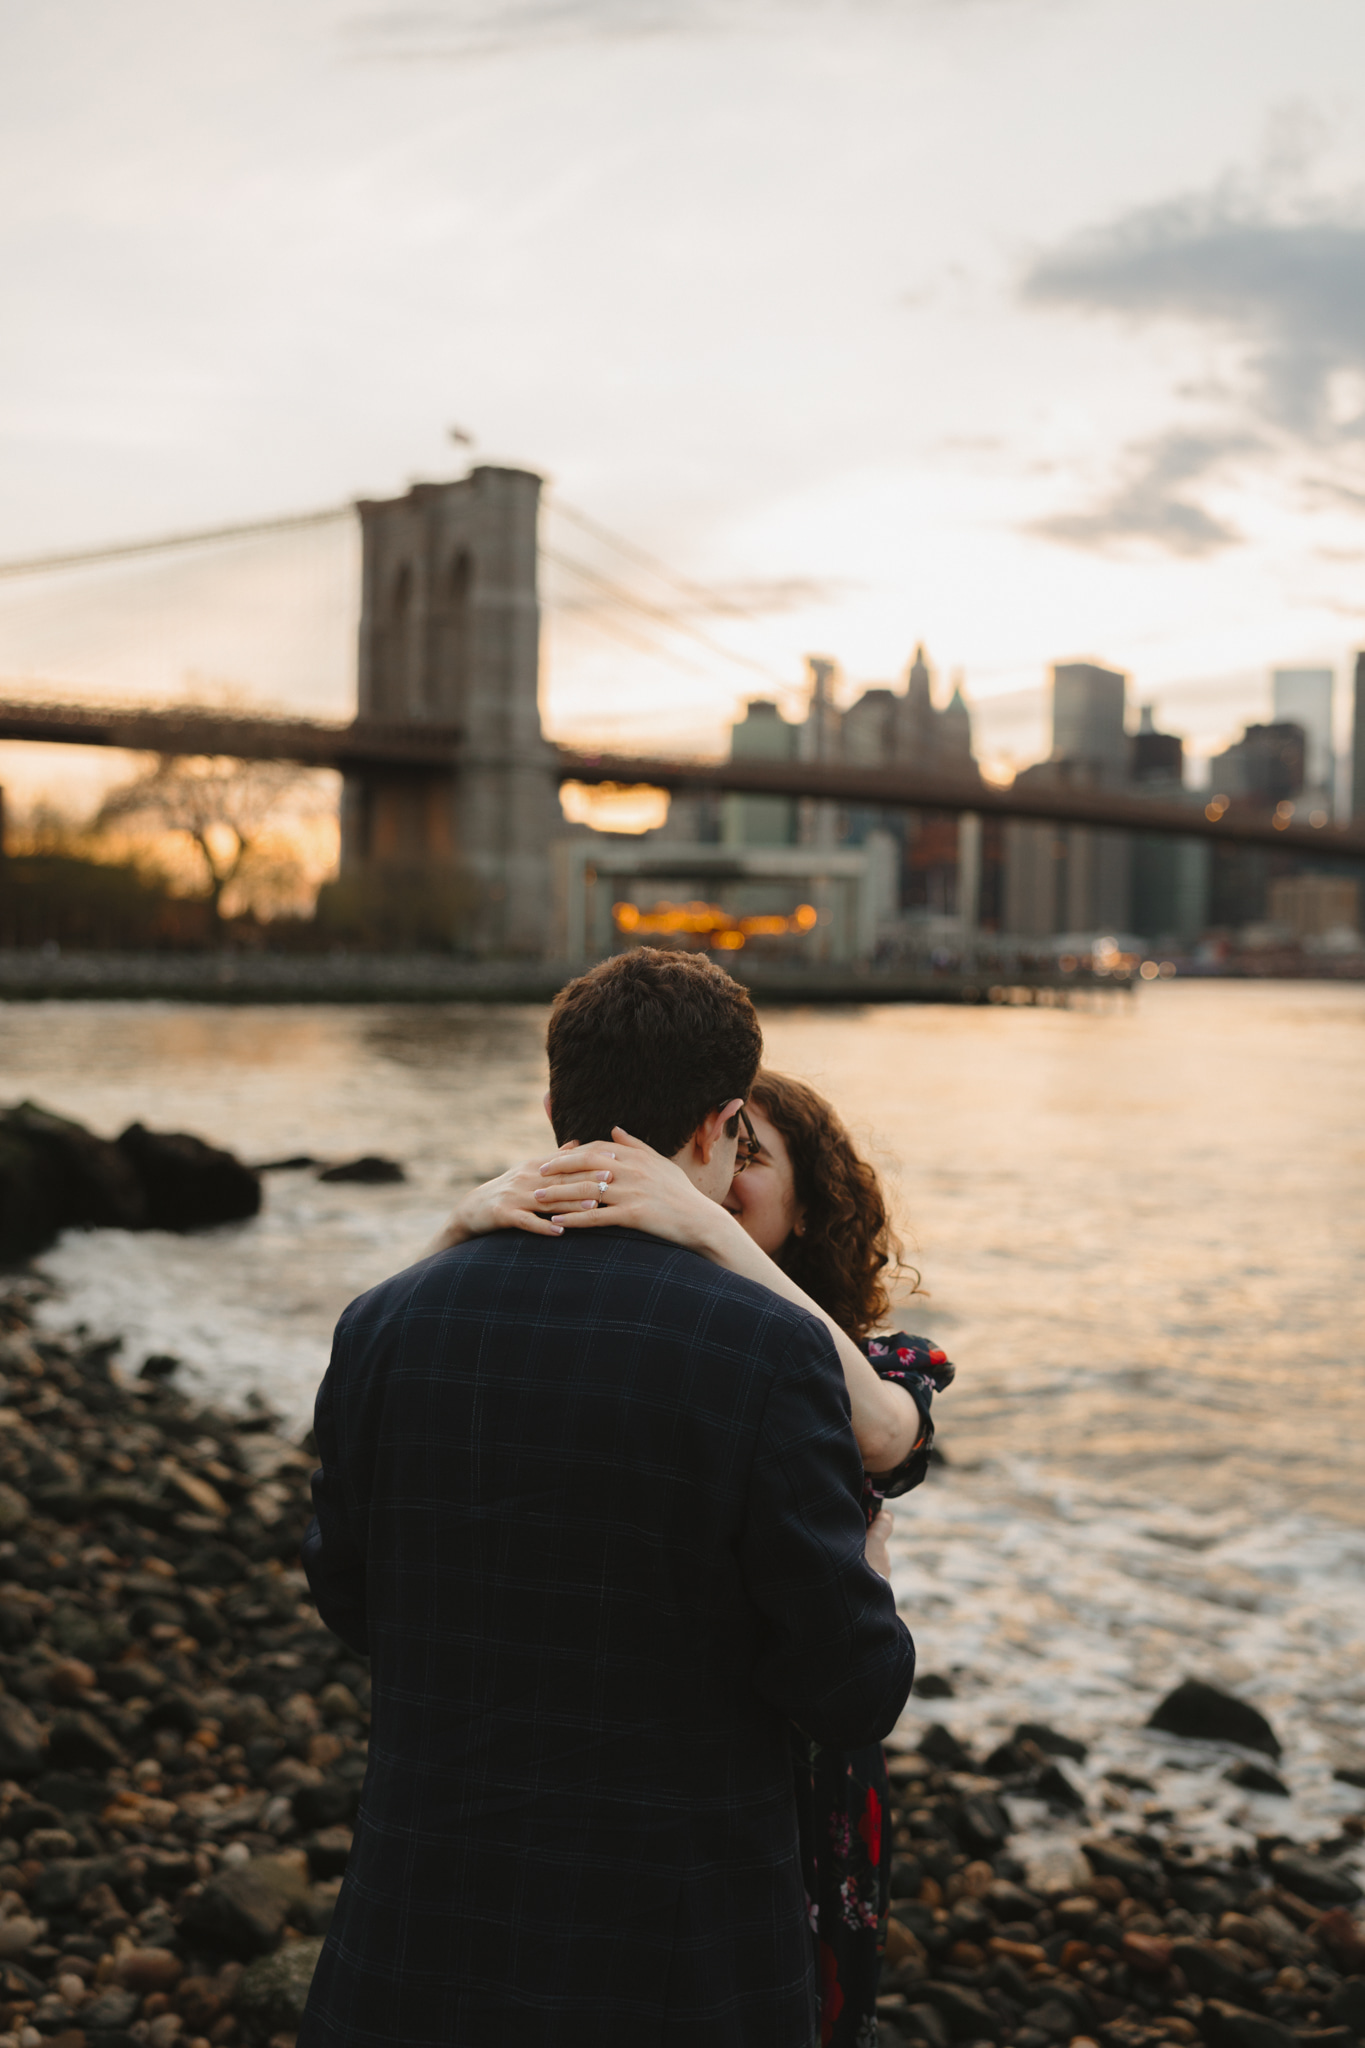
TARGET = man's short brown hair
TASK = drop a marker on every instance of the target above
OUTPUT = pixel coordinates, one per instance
(653, 1041)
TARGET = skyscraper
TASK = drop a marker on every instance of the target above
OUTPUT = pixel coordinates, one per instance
(1304, 695)
(1087, 717)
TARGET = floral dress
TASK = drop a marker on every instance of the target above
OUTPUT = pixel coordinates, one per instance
(842, 1793)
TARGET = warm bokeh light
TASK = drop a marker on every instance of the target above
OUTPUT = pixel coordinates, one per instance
(614, 806)
(714, 927)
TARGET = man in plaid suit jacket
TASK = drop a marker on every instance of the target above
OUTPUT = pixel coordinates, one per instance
(591, 1506)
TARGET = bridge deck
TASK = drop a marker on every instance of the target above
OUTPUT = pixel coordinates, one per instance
(362, 744)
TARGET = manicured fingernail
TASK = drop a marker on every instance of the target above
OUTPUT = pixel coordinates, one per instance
(587, 1205)
(559, 1230)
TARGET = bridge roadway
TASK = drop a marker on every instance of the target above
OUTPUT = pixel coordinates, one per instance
(360, 744)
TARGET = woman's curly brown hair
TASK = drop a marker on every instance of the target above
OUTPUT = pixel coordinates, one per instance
(846, 1245)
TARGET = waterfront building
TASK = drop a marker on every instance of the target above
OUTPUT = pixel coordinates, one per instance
(763, 734)
(1170, 877)
(1072, 878)
(882, 726)
(1266, 764)
(1314, 906)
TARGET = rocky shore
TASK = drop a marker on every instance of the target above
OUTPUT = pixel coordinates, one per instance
(181, 1741)
(182, 1746)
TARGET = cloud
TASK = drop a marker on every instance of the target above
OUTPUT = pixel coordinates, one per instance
(1278, 275)
(466, 30)
(1149, 504)
(1289, 288)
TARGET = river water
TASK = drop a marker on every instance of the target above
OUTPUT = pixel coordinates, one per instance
(1140, 1230)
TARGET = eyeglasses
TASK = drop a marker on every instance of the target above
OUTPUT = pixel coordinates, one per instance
(749, 1147)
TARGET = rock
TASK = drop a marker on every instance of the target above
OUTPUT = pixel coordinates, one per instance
(941, 1746)
(109, 2009)
(149, 1969)
(981, 1826)
(188, 1185)
(965, 2013)
(246, 1910)
(338, 1703)
(1343, 1937)
(159, 1365)
(328, 1851)
(371, 1171)
(325, 1805)
(1230, 2026)
(1134, 1872)
(1050, 1742)
(1053, 1784)
(1148, 1953)
(19, 1934)
(1202, 1711)
(1350, 1774)
(1198, 1893)
(926, 2023)
(1053, 2018)
(22, 1749)
(1255, 1778)
(66, 1879)
(1011, 1902)
(931, 1685)
(1346, 2006)
(13, 1510)
(1313, 1878)
(1209, 1972)
(77, 1738)
(905, 1952)
(272, 1993)
(76, 1178)
(1009, 1760)
(69, 1679)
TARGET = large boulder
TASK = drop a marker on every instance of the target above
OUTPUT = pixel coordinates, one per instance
(1201, 1710)
(188, 1185)
(272, 1992)
(55, 1174)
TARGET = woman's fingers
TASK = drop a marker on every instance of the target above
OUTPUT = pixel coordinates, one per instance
(562, 1193)
(579, 1159)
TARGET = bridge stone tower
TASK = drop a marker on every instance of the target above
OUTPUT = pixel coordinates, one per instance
(450, 637)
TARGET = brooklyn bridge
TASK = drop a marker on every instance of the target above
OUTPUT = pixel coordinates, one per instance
(446, 759)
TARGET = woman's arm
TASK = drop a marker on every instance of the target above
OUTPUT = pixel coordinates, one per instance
(628, 1183)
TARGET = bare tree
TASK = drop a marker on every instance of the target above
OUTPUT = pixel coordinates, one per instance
(228, 812)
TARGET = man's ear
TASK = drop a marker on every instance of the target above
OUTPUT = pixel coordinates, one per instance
(711, 1128)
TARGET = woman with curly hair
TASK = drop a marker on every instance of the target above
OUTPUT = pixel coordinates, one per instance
(806, 1217)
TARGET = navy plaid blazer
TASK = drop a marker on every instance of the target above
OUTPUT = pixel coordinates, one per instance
(592, 1507)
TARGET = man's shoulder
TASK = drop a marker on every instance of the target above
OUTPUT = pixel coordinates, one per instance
(508, 1271)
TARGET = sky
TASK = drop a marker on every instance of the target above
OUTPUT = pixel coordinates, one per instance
(1033, 330)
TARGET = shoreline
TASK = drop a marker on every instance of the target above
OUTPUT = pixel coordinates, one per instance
(35, 975)
(182, 1746)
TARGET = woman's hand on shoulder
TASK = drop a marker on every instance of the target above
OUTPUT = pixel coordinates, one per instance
(628, 1183)
(508, 1202)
